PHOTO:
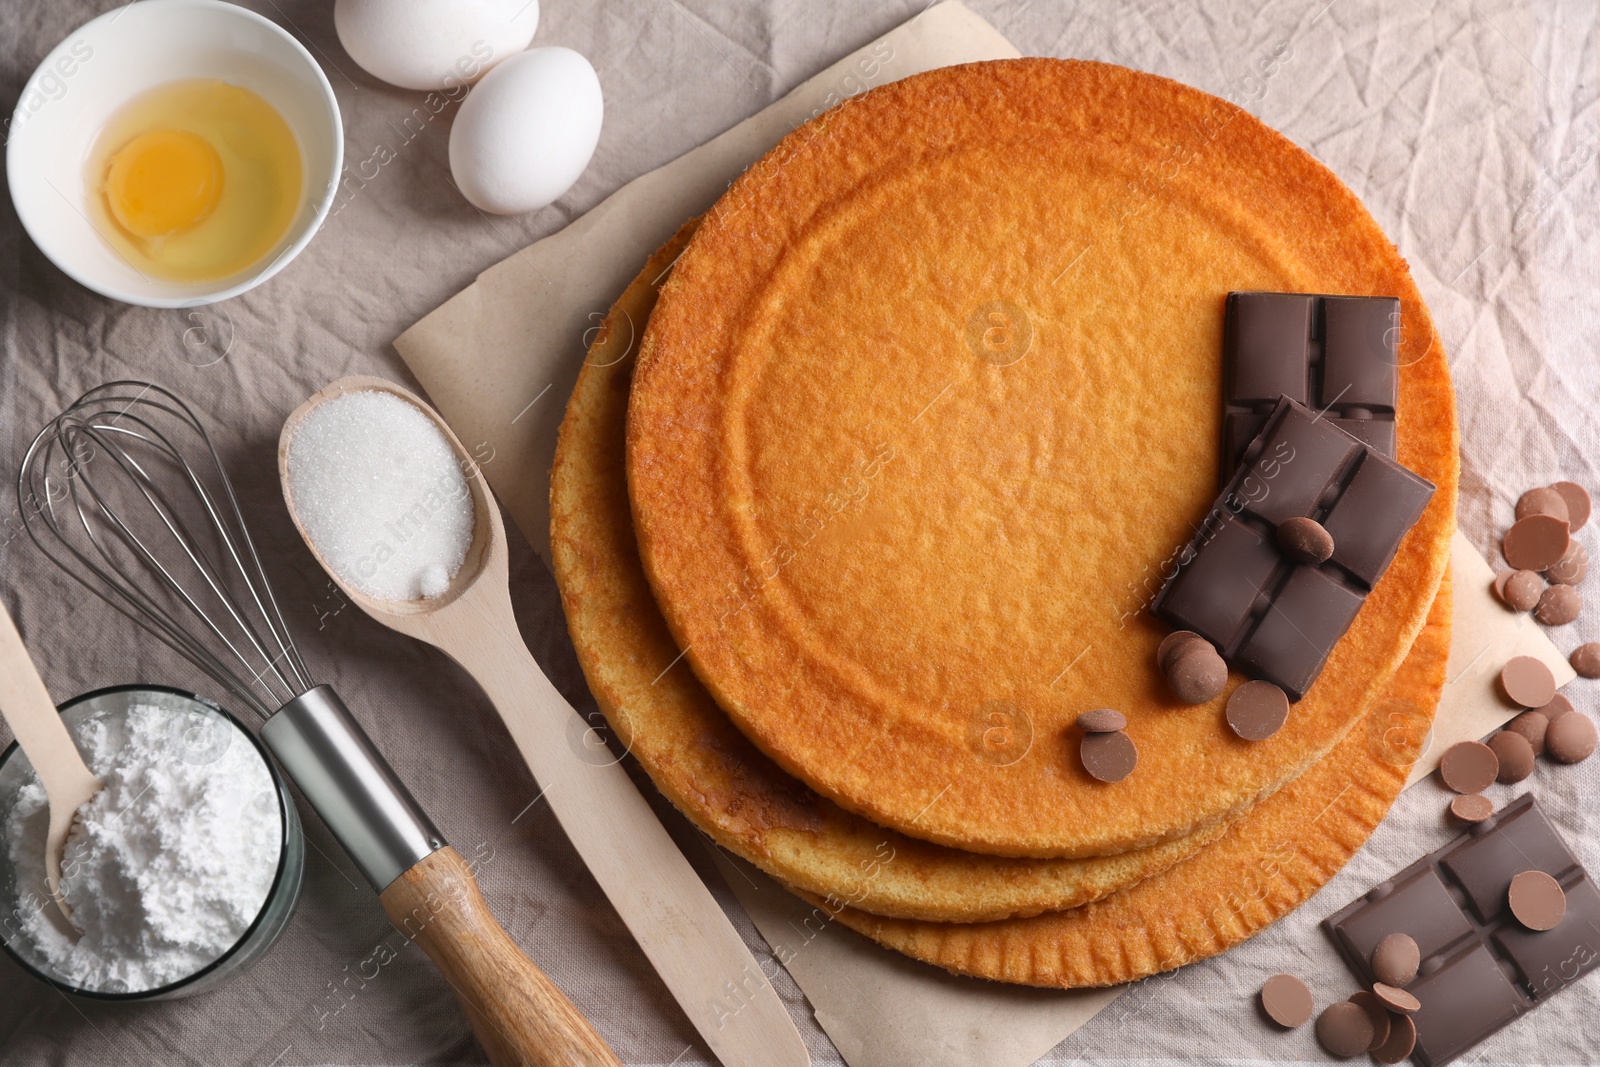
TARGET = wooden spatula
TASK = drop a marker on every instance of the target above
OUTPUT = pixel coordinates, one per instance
(666, 907)
(28, 710)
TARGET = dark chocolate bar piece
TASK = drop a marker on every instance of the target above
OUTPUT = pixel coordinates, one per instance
(1274, 617)
(1481, 968)
(1334, 354)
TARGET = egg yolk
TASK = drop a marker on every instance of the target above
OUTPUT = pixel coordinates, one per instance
(163, 181)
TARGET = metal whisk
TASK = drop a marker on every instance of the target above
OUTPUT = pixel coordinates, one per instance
(109, 492)
(125, 491)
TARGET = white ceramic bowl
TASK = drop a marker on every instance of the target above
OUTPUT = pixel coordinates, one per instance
(107, 62)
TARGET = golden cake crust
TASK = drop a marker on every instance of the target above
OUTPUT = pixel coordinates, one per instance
(926, 402)
(694, 754)
(1267, 863)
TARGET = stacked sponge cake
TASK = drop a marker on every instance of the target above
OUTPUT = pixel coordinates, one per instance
(923, 407)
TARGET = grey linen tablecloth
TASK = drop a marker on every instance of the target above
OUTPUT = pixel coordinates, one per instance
(1470, 129)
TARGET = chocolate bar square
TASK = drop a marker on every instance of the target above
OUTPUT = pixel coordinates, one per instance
(1481, 968)
(1334, 354)
(1272, 616)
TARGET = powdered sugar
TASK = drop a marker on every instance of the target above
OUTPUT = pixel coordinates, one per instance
(172, 862)
(381, 495)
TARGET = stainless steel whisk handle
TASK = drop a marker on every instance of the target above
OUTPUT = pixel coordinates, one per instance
(350, 785)
(426, 888)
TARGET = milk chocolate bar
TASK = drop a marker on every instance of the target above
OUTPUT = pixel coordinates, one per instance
(1481, 968)
(1335, 354)
(1272, 616)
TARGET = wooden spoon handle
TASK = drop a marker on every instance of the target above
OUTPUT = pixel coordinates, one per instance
(520, 1017)
(32, 716)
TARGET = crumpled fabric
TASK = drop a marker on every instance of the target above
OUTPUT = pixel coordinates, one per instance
(1470, 130)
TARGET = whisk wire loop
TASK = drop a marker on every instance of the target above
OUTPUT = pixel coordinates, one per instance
(125, 491)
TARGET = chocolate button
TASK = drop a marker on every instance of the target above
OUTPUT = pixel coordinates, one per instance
(1537, 900)
(1572, 567)
(1108, 757)
(1257, 710)
(1397, 999)
(1558, 605)
(1101, 721)
(1515, 754)
(1570, 739)
(1532, 725)
(1395, 959)
(1471, 807)
(1559, 705)
(1344, 1030)
(1577, 498)
(1522, 590)
(1469, 767)
(1402, 1039)
(1536, 542)
(1585, 659)
(1198, 674)
(1543, 502)
(1286, 1000)
(1527, 681)
(1304, 540)
(1377, 1013)
(1173, 645)
(1499, 585)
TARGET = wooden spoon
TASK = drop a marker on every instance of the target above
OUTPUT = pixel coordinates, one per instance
(33, 718)
(664, 903)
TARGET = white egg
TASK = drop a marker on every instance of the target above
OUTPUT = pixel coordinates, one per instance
(526, 131)
(433, 44)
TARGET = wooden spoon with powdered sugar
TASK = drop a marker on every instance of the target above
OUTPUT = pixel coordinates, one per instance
(32, 716)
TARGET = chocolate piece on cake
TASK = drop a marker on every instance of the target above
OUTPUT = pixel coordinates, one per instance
(1334, 354)
(1271, 615)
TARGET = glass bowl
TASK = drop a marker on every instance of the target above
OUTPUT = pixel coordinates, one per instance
(200, 733)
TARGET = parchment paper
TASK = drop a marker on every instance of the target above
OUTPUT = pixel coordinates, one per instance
(510, 336)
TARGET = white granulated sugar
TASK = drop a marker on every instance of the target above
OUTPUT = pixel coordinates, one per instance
(381, 494)
(171, 864)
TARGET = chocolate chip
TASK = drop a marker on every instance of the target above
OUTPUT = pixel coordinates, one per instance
(1402, 1039)
(1537, 900)
(1471, 807)
(1527, 681)
(1257, 710)
(1543, 502)
(1577, 498)
(1585, 659)
(1558, 605)
(1572, 568)
(1396, 998)
(1108, 757)
(1375, 1012)
(1532, 725)
(1173, 644)
(1536, 542)
(1521, 590)
(1469, 766)
(1559, 705)
(1344, 1030)
(1395, 959)
(1515, 754)
(1304, 540)
(1198, 674)
(1570, 738)
(1286, 1000)
(1101, 721)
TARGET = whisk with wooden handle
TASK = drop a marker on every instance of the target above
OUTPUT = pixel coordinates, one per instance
(125, 491)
